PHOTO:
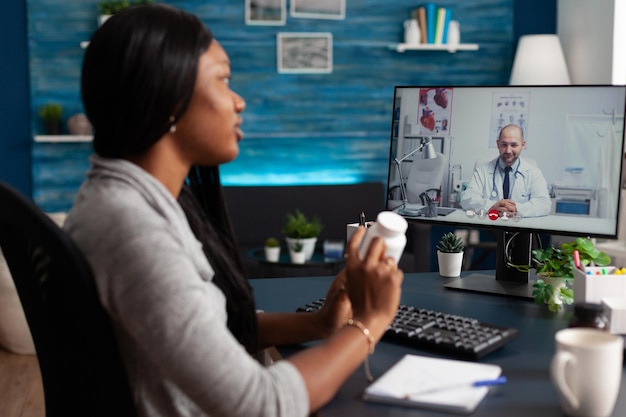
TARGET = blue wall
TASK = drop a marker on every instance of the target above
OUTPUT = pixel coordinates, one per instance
(299, 128)
(15, 139)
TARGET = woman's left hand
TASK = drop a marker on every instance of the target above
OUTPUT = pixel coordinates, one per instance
(337, 308)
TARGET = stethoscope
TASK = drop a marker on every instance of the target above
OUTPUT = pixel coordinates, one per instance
(494, 189)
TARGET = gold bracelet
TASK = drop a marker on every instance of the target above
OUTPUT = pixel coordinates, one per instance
(366, 332)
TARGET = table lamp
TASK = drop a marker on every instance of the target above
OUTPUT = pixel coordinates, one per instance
(539, 60)
(429, 153)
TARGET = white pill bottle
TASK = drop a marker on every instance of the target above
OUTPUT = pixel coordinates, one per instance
(391, 227)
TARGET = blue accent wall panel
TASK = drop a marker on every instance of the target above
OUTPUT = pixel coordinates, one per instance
(300, 128)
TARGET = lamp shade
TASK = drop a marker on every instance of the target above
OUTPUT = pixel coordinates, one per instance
(429, 151)
(539, 60)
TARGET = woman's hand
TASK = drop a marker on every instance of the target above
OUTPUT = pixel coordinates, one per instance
(372, 283)
(337, 308)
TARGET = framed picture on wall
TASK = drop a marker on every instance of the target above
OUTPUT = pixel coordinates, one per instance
(318, 9)
(266, 12)
(305, 53)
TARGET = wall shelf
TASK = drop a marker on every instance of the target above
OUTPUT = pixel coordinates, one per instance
(402, 47)
(62, 138)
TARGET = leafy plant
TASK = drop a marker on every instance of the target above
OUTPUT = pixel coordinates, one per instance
(298, 226)
(114, 6)
(272, 242)
(555, 262)
(51, 112)
(450, 243)
(297, 246)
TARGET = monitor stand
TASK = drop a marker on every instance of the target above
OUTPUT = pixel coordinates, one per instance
(506, 281)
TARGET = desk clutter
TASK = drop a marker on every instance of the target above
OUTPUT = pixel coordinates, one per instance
(445, 334)
(605, 286)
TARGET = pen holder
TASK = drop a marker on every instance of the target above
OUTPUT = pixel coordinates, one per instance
(597, 283)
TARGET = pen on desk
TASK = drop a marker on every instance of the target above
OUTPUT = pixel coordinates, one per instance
(480, 383)
(362, 219)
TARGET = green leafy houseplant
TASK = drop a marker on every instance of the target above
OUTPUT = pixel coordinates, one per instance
(110, 7)
(555, 262)
(450, 243)
(298, 226)
(51, 113)
(272, 242)
(297, 247)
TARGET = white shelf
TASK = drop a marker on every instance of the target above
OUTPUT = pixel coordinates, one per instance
(63, 138)
(402, 47)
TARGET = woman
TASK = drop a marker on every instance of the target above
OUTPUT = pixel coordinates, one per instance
(155, 87)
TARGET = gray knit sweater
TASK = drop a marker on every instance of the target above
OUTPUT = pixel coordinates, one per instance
(170, 319)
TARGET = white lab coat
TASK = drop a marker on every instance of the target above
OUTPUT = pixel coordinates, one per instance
(529, 189)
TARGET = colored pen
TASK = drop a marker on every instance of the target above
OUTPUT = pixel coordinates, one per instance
(362, 219)
(577, 259)
(480, 383)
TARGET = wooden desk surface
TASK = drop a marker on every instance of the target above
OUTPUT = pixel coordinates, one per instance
(524, 361)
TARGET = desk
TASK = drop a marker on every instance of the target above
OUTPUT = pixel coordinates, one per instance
(574, 223)
(524, 361)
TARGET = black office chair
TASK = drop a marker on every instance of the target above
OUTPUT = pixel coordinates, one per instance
(81, 368)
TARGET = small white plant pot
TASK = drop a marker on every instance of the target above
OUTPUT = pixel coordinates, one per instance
(450, 264)
(272, 254)
(103, 18)
(308, 245)
(297, 257)
(557, 283)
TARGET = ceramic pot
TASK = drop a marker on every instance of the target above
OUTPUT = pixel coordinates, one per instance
(308, 245)
(103, 18)
(78, 124)
(556, 283)
(272, 254)
(411, 32)
(297, 257)
(450, 264)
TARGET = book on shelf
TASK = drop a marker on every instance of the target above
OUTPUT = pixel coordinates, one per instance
(421, 19)
(433, 23)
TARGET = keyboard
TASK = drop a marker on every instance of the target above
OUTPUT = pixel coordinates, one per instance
(445, 334)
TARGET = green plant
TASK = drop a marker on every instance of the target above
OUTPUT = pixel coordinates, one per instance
(114, 6)
(450, 243)
(298, 226)
(552, 262)
(297, 246)
(272, 242)
(51, 112)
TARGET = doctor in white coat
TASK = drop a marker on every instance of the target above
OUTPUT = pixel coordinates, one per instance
(527, 188)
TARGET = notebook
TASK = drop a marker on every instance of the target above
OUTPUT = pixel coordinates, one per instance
(433, 383)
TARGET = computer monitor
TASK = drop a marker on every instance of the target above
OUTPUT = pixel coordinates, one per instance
(566, 178)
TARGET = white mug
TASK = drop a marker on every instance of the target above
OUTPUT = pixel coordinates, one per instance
(587, 371)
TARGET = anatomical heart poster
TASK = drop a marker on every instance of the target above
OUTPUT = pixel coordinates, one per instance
(508, 109)
(434, 110)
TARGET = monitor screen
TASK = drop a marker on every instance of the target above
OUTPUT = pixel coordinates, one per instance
(451, 146)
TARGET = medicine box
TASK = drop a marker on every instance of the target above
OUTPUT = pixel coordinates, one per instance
(597, 283)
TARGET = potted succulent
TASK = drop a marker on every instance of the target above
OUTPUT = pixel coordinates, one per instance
(51, 115)
(296, 252)
(272, 249)
(555, 270)
(299, 228)
(450, 255)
